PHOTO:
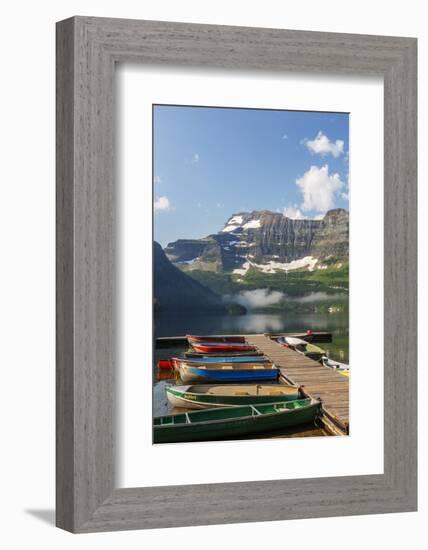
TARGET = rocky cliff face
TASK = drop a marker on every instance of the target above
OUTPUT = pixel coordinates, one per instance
(174, 290)
(267, 241)
(332, 237)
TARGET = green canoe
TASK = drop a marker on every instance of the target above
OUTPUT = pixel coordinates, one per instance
(206, 396)
(312, 351)
(230, 422)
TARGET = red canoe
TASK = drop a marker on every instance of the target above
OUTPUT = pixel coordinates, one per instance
(209, 347)
(215, 339)
(166, 364)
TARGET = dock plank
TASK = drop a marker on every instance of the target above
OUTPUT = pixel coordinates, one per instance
(317, 381)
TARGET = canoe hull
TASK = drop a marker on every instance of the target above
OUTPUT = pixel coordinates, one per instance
(301, 346)
(185, 398)
(236, 427)
(215, 338)
(335, 365)
(193, 375)
(192, 353)
(221, 348)
(218, 365)
(314, 355)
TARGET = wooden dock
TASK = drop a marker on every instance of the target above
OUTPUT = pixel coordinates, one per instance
(317, 381)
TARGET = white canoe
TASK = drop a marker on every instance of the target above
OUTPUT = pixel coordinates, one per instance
(336, 365)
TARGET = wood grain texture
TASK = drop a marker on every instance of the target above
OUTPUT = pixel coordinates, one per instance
(64, 277)
(319, 382)
(87, 49)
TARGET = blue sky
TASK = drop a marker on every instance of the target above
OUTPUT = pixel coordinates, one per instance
(212, 162)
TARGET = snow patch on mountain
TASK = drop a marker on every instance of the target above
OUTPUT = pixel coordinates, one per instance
(252, 224)
(230, 228)
(237, 220)
(233, 223)
(243, 270)
(272, 267)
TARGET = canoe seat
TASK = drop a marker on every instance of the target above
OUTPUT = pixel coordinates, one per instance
(167, 420)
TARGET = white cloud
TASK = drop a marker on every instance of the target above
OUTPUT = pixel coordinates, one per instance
(157, 179)
(293, 212)
(162, 203)
(195, 158)
(345, 193)
(321, 145)
(319, 188)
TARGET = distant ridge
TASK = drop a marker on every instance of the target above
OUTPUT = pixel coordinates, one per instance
(174, 290)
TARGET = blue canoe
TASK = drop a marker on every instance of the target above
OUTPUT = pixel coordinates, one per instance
(229, 373)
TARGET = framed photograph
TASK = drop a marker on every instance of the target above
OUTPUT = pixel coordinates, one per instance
(279, 263)
(236, 274)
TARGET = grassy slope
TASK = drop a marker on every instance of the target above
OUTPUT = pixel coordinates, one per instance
(296, 283)
(332, 281)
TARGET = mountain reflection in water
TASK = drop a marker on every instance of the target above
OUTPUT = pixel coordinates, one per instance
(179, 324)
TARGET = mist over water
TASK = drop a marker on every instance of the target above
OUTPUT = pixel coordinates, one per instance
(253, 299)
(264, 297)
(318, 297)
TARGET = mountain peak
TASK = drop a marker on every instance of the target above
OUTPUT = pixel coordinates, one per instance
(336, 212)
(247, 220)
(241, 222)
(262, 239)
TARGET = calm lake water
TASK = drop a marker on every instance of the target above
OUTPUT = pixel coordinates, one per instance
(254, 323)
(181, 324)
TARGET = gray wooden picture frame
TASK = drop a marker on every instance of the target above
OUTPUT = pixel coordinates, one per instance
(87, 50)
